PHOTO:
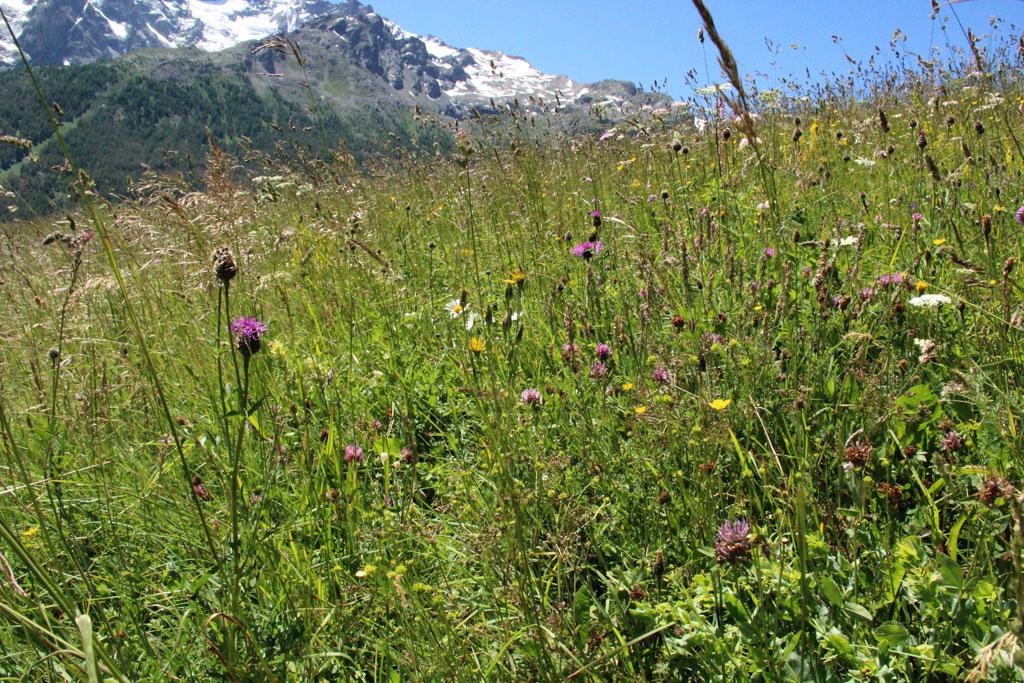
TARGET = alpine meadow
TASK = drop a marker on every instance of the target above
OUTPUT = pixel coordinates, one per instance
(352, 366)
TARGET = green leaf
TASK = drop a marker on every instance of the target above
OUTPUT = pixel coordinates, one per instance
(950, 570)
(831, 591)
(954, 535)
(859, 610)
(891, 634)
(840, 643)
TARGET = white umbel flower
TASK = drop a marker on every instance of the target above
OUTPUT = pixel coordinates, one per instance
(929, 300)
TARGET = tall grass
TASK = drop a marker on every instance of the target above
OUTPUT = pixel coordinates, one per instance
(511, 409)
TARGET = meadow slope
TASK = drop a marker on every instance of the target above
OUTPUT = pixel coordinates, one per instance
(679, 403)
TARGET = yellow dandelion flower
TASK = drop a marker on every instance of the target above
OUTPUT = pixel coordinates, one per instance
(640, 410)
(921, 285)
(515, 277)
(628, 386)
(939, 241)
(477, 345)
(720, 403)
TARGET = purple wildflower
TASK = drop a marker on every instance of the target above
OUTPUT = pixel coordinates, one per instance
(608, 134)
(890, 279)
(247, 333)
(712, 338)
(530, 397)
(733, 541)
(769, 252)
(569, 350)
(603, 351)
(1019, 216)
(199, 489)
(353, 453)
(916, 218)
(661, 375)
(587, 249)
(598, 370)
(951, 442)
(867, 294)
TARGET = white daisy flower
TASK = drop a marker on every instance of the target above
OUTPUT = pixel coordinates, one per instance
(455, 308)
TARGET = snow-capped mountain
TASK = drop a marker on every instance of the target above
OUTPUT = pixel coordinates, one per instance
(422, 67)
(77, 31)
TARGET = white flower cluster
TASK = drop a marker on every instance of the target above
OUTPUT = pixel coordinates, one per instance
(929, 300)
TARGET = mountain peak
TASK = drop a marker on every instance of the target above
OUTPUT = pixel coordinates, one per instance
(419, 70)
(79, 31)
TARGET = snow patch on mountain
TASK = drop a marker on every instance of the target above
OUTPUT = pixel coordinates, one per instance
(229, 22)
(438, 49)
(16, 12)
(497, 75)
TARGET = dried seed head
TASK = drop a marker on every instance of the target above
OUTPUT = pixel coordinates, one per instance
(224, 266)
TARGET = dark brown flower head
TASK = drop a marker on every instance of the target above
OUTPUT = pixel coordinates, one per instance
(994, 488)
(893, 492)
(859, 454)
(224, 266)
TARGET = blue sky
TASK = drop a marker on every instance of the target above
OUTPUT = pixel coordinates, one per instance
(644, 41)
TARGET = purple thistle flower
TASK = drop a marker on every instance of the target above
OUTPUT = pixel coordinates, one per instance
(867, 294)
(598, 370)
(530, 397)
(569, 350)
(247, 333)
(603, 351)
(917, 218)
(661, 375)
(588, 249)
(733, 541)
(769, 252)
(1019, 216)
(353, 453)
